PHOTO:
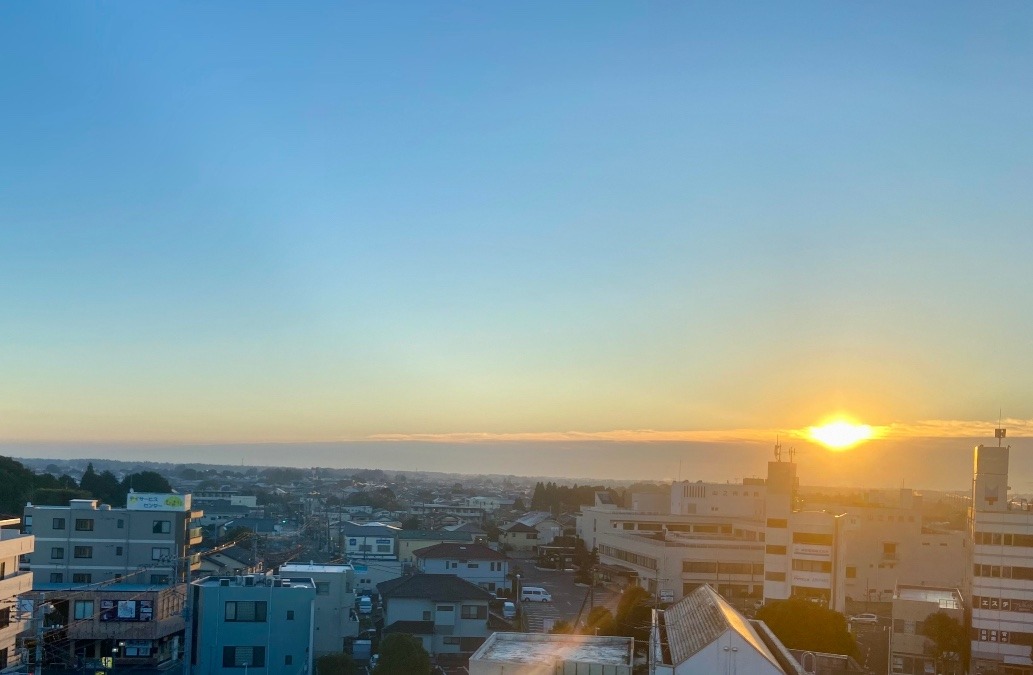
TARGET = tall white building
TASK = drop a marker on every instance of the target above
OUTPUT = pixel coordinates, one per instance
(1002, 570)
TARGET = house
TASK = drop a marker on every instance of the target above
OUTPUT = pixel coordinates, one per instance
(449, 615)
(536, 654)
(258, 622)
(702, 634)
(411, 540)
(476, 563)
(369, 541)
(231, 561)
(537, 528)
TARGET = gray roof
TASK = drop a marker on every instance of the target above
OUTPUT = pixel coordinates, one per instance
(435, 587)
(701, 617)
(350, 529)
(458, 552)
(434, 535)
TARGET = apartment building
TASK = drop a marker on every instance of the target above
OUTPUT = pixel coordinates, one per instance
(333, 616)
(115, 575)
(13, 582)
(1001, 589)
(260, 624)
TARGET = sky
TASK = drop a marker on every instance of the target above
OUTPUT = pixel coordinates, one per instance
(639, 230)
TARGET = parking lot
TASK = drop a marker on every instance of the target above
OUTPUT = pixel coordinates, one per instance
(567, 597)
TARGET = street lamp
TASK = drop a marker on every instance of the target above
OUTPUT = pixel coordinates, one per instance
(245, 667)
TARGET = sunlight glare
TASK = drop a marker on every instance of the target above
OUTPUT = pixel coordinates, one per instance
(840, 435)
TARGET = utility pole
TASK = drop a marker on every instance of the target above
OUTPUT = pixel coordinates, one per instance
(188, 628)
(38, 612)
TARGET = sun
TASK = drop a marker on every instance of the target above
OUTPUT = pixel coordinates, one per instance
(841, 434)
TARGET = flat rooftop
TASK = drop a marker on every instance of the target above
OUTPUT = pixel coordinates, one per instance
(539, 648)
(946, 598)
(313, 567)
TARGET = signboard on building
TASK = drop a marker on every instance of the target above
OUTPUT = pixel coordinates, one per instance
(812, 550)
(153, 501)
(126, 610)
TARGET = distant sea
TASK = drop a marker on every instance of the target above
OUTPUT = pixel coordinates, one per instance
(929, 463)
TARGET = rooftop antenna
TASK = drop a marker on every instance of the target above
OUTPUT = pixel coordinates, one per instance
(792, 455)
(778, 450)
(1000, 432)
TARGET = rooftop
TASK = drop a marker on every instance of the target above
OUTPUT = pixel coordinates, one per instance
(541, 648)
(945, 598)
(313, 567)
(437, 587)
(459, 551)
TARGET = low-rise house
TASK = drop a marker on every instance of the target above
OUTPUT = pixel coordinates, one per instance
(369, 541)
(910, 650)
(231, 561)
(476, 563)
(537, 528)
(411, 540)
(447, 614)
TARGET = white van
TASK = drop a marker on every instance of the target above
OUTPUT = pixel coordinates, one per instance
(365, 605)
(535, 594)
(508, 610)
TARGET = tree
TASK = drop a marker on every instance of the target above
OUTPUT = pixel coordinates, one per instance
(801, 624)
(402, 654)
(633, 615)
(16, 484)
(336, 664)
(599, 622)
(949, 640)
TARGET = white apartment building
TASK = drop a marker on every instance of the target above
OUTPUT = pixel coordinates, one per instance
(1001, 593)
(13, 582)
(333, 618)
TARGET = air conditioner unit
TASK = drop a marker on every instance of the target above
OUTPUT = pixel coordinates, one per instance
(224, 582)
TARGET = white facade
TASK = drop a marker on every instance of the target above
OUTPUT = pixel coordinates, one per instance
(736, 500)
(1001, 595)
(13, 583)
(476, 563)
(332, 616)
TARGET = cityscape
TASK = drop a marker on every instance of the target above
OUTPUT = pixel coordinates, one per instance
(632, 337)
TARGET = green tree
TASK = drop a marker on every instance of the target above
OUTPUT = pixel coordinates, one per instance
(950, 644)
(633, 614)
(336, 664)
(599, 622)
(16, 484)
(402, 654)
(801, 624)
(561, 627)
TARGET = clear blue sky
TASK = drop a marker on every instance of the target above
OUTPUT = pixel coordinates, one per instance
(227, 222)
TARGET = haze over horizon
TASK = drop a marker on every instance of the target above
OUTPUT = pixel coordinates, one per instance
(613, 238)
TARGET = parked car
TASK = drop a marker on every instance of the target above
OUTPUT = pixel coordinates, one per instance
(535, 594)
(865, 618)
(365, 605)
(508, 610)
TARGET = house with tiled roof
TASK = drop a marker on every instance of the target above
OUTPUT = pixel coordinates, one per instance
(476, 563)
(702, 634)
(536, 528)
(411, 540)
(449, 615)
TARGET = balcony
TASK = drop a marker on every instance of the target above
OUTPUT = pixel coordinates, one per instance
(194, 536)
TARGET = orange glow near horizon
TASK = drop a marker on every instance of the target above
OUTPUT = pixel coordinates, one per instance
(841, 434)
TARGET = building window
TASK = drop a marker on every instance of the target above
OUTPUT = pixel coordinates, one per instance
(322, 588)
(778, 522)
(57, 577)
(59, 523)
(159, 552)
(82, 578)
(120, 523)
(774, 576)
(451, 640)
(3, 658)
(383, 548)
(83, 609)
(812, 538)
(159, 580)
(249, 610)
(5, 617)
(775, 549)
(474, 612)
(851, 572)
(161, 527)
(472, 566)
(118, 550)
(84, 524)
(288, 660)
(426, 616)
(446, 608)
(57, 553)
(239, 657)
(290, 615)
(83, 551)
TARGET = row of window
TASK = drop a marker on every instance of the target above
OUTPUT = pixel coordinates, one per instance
(465, 612)
(86, 525)
(998, 539)
(628, 556)
(58, 552)
(87, 578)
(713, 567)
(1002, 636)
(812, 566)
(1003, 572)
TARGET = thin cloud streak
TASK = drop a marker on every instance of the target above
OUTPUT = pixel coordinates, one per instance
(895, 430)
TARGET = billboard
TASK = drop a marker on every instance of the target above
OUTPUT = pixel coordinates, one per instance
(126, 610)
(153, 501)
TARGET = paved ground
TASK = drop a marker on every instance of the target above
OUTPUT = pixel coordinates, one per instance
(567, 597)
(873, 642)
